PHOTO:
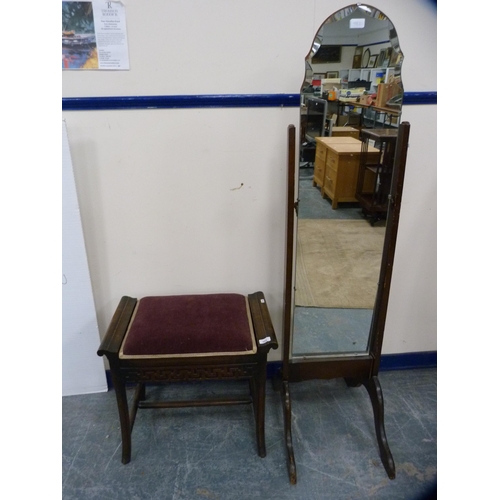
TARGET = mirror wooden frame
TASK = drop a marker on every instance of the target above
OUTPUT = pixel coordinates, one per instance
(359, 369)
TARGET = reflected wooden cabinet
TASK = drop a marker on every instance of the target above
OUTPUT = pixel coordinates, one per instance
(319, 164)
(345, 132)
(336, 168)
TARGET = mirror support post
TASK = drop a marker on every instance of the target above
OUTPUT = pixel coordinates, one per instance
(290, 214)
(287, 320)
(382, 300)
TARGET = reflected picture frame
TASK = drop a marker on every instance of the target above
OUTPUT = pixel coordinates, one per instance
(388, 56)
(366, 58)
(381, 57)
(319, 76)
(395, 58)
(358, 55)
(372, 61)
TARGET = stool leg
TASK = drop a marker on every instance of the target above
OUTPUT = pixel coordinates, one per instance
(260, 408)
(142, 395)
(121, 399)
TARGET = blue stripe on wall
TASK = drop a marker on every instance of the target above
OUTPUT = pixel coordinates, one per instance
(408, 360)
(208, 101)
(182, 101)
(419, 98)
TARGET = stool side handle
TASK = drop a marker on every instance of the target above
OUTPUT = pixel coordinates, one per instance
(115, 333)
(263, 326)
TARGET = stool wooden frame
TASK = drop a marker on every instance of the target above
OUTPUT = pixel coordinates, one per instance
(145, 370)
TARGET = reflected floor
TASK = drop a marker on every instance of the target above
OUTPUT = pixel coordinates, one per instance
(313, 206)
(324, 330)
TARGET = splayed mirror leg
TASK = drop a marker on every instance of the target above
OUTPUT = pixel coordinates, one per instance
(287, 414)
(374, 389)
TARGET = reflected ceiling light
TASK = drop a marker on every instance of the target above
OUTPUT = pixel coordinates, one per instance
(356, 23)
(364, 7)
(316, 45)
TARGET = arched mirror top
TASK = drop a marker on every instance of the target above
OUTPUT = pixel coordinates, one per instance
(364, 37)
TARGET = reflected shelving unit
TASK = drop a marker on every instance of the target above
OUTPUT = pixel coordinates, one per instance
(375, 172)
(374, 75)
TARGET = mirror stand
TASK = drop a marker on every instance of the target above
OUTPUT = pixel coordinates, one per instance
(356, 370)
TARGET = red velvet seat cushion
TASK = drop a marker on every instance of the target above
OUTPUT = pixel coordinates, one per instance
(190, 324)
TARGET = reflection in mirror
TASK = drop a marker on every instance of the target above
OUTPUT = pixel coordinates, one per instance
(351, 101)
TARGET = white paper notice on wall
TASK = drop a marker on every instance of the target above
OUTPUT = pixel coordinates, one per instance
(82, 370)
(94, 35)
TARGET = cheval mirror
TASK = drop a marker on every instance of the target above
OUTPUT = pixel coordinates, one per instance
(341, 231)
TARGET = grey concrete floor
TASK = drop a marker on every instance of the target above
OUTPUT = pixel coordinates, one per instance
(210, 452)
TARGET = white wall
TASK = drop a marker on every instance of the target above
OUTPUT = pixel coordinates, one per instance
(82, 371)
(158, 190)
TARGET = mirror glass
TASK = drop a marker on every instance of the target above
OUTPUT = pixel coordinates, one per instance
(352, 83)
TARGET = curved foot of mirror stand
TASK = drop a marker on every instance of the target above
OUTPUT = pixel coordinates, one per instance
(374, 389)
(287, 414)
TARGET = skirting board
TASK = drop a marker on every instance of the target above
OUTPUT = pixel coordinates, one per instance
(402, 361)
